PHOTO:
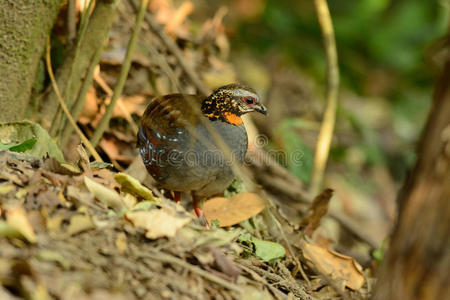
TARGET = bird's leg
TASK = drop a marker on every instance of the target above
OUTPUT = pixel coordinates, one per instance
(177, 197)
(173, 195)
(198, 205)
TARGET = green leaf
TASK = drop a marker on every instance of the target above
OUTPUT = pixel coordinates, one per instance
(30, 138)
(22, 147)
(26, 145)
(143, 205)
(265, 250)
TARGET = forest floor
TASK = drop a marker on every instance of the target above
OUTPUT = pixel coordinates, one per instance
(79, 234)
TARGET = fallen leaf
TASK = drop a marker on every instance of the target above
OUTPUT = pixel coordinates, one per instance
(106, 196)
(133, 186)
(48, 255)
(17, 219)
(265, 250)
(24, 131)
(157, 222)
(6, 188)
(335, 265)
(53, 165)
(232, 211)
(80, 222)
(317, 210)
(121, 242)
(143, 205)
(22, 147)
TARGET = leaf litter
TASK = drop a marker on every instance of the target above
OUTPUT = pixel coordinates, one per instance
(150, 249)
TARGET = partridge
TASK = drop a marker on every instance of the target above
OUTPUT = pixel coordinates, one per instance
(178, 134)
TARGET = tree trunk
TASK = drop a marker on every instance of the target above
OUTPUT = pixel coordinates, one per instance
(24, 27)
(417, 264)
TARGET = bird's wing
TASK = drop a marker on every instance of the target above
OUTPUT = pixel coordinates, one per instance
(172, 111)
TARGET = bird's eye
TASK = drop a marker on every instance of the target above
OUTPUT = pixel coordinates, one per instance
(249, 100)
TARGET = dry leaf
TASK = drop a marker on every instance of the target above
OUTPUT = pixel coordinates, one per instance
(318, 209)
(335, 265)
(6, 188)
(80, 223)
(232, 211)
(133, 186)
(105, 195)
(121, 242)
(157, 222)
(17, 219)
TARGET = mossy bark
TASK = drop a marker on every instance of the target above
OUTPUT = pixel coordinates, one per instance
(24, 27)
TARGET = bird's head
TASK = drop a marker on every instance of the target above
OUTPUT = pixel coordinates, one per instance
(229, 102)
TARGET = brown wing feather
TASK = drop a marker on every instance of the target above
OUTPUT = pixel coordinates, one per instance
(171, 111)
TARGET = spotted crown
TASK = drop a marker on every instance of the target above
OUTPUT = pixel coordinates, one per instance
(227, 103)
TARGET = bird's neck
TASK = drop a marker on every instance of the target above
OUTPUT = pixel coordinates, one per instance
(221, 108)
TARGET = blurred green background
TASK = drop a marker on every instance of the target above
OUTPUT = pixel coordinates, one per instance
(388, 58)
(385, 51)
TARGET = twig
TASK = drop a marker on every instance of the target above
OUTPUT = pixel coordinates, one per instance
(277, 293)
(287, 284)
(174, 260)
(105, 87)
(64, 107)
(274, 220)
(123, 75)
(332, 90)
(173, 48)
(71, 20)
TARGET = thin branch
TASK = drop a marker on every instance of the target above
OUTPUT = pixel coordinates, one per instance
(64, 107)
(162, 257)
(105, 87)
(332, 90)
(123, 75)
(71, 20)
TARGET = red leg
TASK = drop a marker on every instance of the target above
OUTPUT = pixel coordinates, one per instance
(198, 203)
(177, 197)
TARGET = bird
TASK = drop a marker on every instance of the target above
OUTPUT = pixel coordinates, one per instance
(178, 140)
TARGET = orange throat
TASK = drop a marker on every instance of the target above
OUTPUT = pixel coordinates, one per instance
(232, 118)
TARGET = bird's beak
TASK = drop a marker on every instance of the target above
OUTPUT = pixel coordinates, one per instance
(261, 109)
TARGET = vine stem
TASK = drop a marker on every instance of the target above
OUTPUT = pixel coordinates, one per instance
(122, 77)
(331, 94)
(83, 138)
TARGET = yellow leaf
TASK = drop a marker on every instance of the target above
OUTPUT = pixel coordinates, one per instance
(121, 242)
(6, 188)
(336, 265)
(232, 211)
(105, 195)
(157, 222)
(79, 223)
(131, 185)
(16, 218)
